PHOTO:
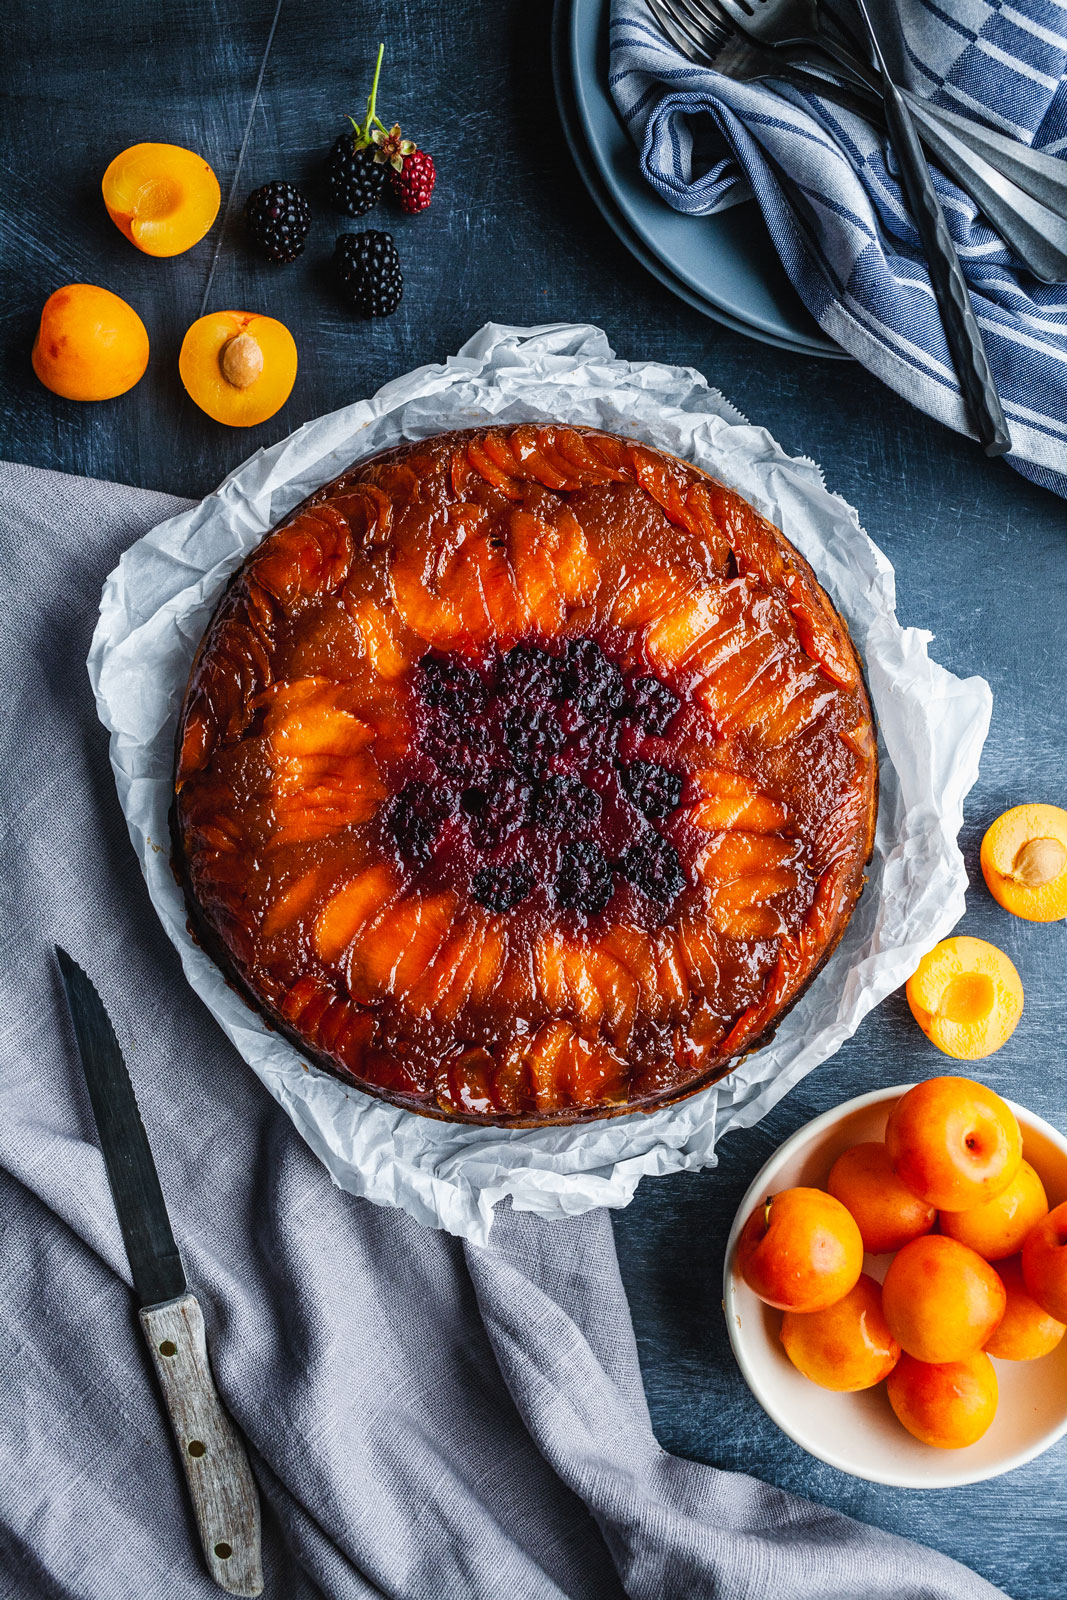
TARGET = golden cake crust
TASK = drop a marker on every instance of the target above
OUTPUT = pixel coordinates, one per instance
(524, 775)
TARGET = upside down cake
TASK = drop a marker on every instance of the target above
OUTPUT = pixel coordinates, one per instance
(525, 774)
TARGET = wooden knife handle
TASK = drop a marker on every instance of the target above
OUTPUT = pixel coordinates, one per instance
(223, 1490)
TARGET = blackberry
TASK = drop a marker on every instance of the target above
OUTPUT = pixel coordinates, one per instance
(652, 704)
(528, 673)
(653, 789)
(532, 734)
(450, 683)
(585, 881)
(652, 865)
(414, 818)
(500, 888)
(497, 809)
(459, 749)
(355, 171)
(368, 270)
(589, 679)
(277, 219)
(354, 180)
(564, 803)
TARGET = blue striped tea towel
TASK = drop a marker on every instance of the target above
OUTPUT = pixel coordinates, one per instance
(836, 214)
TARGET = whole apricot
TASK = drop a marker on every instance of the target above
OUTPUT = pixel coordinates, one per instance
(163, 197)
(239, 367)
(949, 1404)
(966, 996)
(953, 1142)
(847, 1346)
(941, 1300)
(1025, 1332)
(800, 1250)
(1044, 1262)
(91, 345)
(998, 1228)
(1024, 862)
(887, 1213)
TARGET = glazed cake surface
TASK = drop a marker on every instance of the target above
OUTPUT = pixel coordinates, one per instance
(524, 775)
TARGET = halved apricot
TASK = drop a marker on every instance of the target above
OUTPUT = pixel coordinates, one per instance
(1024, 862)
(966, 996)
(162, 197)
(91, 345)
(239, 367)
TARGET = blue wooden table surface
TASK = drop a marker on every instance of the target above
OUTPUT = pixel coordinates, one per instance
(980, 555)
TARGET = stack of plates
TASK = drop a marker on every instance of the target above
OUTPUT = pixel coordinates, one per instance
(724, 266)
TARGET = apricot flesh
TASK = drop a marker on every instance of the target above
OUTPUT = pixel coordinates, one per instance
(800, 1250)
(1024, 862)
(90, 345)
(163, 197)
(1026, 1332)
(887, 1213)
(997, 1228)
(947, 1404)
(1044, 1262)
(954, 1142)
(847, 1346)
(941, 1300)
(966, 996)
(239, 367)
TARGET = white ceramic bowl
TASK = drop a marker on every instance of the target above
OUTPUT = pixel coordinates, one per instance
(858, 1433)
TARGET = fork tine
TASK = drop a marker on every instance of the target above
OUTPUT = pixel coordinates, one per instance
(715, 31)
(677, 33)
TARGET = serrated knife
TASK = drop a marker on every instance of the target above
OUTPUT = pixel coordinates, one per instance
(221, 1486)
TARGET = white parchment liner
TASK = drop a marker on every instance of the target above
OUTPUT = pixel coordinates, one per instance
(932, 726)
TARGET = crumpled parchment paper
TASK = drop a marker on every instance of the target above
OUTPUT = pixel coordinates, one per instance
(932, 726)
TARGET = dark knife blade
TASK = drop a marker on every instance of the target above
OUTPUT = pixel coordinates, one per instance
(154, 1260)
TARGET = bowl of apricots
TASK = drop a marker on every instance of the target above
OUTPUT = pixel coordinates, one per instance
(896, 1285)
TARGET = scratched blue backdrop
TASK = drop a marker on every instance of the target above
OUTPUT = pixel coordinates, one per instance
(981, 556)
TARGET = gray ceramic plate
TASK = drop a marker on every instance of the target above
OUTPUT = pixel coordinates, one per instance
(724, 266)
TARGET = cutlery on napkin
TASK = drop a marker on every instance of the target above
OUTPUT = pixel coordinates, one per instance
(221, 1485)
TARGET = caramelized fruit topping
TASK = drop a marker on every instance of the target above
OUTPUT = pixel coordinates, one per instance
(524, 773)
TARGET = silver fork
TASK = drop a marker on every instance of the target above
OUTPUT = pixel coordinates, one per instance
(1035, 231)
(797, 27)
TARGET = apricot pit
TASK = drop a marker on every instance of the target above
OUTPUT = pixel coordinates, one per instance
(162, 197)
(239, 367)
(1024, 862)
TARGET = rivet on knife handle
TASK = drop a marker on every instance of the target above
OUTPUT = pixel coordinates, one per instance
(220, 1480)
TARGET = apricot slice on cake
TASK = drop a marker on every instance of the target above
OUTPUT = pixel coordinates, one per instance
(239, 367)
(91, 345)
(1024, 862)
(966, 996)
(162, 197)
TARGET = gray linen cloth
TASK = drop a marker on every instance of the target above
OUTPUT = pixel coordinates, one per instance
(426, 1419)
